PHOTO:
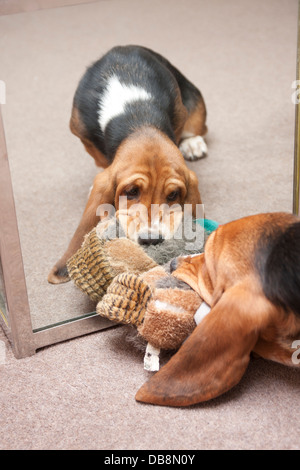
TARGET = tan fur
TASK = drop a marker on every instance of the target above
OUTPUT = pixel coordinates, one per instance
(181, 117)
(147, 160)
(124, 255)
(242, 319)
(195, 124)
(77, 128)
(168, 325)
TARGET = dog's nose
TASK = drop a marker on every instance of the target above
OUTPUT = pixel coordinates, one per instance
(173, 264)
(146, 239)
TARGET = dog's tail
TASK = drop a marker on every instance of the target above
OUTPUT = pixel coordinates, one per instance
(280, 273)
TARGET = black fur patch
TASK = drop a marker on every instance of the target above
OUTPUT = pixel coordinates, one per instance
(278, 263)
(137, 66)
(137, 114)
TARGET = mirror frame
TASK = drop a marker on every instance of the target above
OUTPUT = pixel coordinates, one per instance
(296, 179)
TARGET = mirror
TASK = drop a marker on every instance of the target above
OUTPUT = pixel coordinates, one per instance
(244, 68)
(42, 169)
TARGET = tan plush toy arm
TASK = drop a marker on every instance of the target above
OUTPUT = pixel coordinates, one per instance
(169, 317)
(99, 261)
(160, 306)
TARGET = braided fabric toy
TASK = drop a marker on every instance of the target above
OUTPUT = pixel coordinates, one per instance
(99, 261)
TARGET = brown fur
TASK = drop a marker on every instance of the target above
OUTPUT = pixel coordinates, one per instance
(77, 128)
(166, 328)
(148, 160)
(242, 319)
(195, 124)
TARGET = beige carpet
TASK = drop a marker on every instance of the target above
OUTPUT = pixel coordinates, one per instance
(242, 55)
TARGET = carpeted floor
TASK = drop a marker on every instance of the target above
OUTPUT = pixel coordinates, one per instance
(242, 55)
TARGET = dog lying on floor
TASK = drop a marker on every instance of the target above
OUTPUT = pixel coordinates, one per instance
(250, 276)
(138, 117)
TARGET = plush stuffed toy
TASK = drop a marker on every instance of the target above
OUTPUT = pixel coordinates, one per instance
(133, 285)
(103, 255)
(162, 308)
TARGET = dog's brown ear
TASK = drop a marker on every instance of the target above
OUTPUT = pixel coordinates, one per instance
(102, 193)
(193, 194)
(214, 358)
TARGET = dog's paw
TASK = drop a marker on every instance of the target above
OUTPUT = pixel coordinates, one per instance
(193, 148)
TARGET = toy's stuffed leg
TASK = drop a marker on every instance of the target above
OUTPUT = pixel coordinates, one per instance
(159, 305)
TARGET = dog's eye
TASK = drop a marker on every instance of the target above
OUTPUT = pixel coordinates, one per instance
(132, 193)
(173, 195)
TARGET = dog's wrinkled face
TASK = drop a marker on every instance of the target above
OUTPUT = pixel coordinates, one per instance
(152, 186)
(147, 186)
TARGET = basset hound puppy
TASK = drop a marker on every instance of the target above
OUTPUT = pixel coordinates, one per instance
(139, 118)
(249, 275)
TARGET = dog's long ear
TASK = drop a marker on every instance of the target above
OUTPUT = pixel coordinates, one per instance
(214, 358)
(102, 193)
(193, 194)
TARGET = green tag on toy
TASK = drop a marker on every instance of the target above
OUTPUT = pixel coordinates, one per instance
(208, 224)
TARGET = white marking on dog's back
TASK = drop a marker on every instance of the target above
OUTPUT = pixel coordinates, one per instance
(115, 97)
